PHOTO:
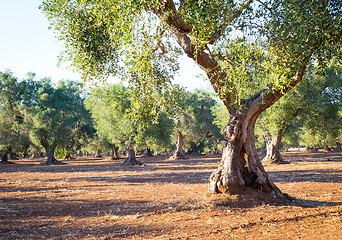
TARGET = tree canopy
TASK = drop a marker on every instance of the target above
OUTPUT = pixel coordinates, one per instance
(253, 53)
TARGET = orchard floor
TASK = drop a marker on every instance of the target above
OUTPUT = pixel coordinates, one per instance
(93, 198)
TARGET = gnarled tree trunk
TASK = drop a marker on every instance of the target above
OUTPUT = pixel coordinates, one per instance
(240, 166)
(50, 154)
(115, 152)
(67, 155)
(148, 152)
(98, 153)
(131, 159)
(273, 146)
(179, 153)
(4, 157)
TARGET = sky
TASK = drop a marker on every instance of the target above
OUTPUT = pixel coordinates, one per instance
(27, 45)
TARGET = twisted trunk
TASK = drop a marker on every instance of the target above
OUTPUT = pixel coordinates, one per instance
(148, 152)
(131, 159)
(240, 166)
(115, 152)
(67, 155)
(50, 154)
(179, 153)
(273, 146)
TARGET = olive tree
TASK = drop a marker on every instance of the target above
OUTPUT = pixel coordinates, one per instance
(53, 115)
(116, 37)
(13, 134)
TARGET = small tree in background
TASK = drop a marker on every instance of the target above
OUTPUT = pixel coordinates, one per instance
(204, 133)
(52, 115)
(14, 137)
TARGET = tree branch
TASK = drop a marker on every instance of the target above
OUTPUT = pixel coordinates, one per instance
(236, 13)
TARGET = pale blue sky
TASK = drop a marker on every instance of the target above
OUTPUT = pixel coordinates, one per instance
(27, 45)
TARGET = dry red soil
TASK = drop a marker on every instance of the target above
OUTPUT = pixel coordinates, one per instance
(167, 199)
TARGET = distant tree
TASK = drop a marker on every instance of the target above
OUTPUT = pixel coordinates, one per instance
(274, 120)
(13, 136)
(176, 104)
(110, 107)
(204, 133)
(156, 136)
(322, 124)
(82, 127)
(52, 115)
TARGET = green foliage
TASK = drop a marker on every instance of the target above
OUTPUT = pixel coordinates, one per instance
(12, 130)
(322, 123)
(314, 105)
(112, 38)
(204, 133)
(109, 107)
(55, 115)
(132, 39)
(248, 66)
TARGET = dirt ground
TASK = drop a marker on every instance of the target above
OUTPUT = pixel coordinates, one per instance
(94, 198)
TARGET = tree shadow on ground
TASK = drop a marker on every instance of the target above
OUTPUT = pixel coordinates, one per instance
(317, 175)
(313, 157)
(48, 229)
(252, 198)
(27, 208)
(101, 165)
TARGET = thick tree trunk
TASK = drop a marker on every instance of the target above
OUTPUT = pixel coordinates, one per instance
(98, 153)
(50, 154)
(34, 155)
(240, 166)
(4, 157)
(67, 155)
(273, 147)
(115, 153)
(179, 153)
(131, 159)
(148, 152)
(338, 146)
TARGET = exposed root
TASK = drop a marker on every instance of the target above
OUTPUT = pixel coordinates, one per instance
(131, 161)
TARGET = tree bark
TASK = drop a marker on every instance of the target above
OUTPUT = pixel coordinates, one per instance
(6, 154)
(148, 152)
(240, 166)
(338, 146)
(273, 146)
(179, 153)
(50, 154)
(98, 153)
(115, 152)
(131, 159)
(4, 157)
(67, 155)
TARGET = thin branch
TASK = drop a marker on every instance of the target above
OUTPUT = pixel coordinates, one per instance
(236, 13)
